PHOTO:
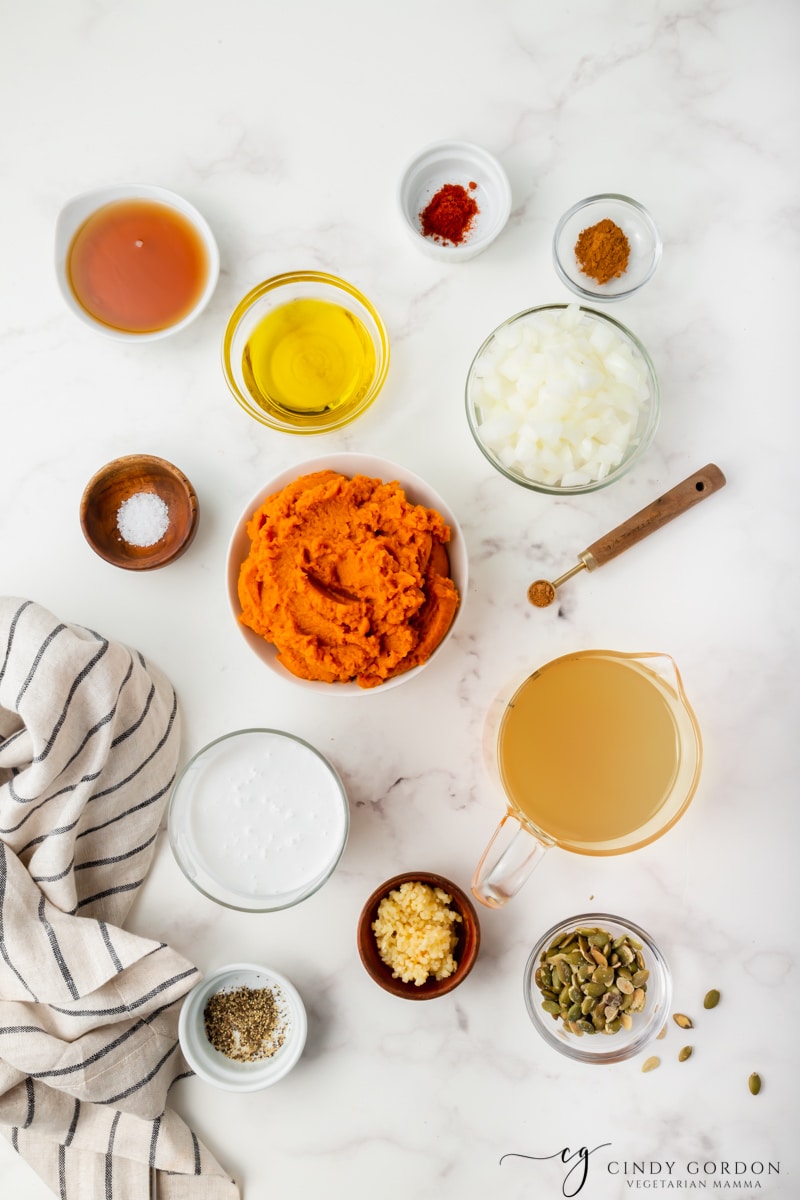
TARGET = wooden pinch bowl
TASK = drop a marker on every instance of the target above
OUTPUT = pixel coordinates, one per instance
(465, 953)
(116, 482)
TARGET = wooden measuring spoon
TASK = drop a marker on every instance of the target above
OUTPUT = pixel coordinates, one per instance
(677, 500)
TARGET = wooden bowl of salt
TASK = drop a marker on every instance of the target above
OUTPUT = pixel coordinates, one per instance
(139, 512)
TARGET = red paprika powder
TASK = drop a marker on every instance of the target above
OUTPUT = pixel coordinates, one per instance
(449, 214)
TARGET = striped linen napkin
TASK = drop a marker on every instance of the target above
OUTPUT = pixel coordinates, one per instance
(89, 742)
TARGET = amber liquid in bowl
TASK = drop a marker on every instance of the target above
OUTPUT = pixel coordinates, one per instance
(137, 266)
(589, 751)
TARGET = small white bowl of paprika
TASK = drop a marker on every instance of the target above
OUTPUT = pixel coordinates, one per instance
(455, 199)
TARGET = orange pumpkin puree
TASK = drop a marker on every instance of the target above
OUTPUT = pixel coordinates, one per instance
(347, 578)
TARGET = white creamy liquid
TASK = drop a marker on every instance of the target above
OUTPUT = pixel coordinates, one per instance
(267, 815)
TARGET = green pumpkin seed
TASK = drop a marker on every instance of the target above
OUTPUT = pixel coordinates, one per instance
(650, 1064)
(684, 1053)
(754, 1083)
(711, 999)
(591, 981)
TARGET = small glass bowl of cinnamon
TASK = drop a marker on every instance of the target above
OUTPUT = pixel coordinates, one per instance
(606, 247)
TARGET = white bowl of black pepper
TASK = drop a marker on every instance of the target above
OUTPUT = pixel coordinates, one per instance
(243, 1027)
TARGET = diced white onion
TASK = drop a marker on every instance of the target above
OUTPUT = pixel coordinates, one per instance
(558, 397)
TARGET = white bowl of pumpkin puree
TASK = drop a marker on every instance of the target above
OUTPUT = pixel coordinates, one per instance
(347, 571)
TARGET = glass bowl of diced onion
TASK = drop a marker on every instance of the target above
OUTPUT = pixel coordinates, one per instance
(562, 399)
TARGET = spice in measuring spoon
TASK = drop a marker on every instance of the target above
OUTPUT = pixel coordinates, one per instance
(603, 251)
(449, 214)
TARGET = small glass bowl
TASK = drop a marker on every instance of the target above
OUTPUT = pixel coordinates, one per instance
(246, 805)
(281, 290)
(227, 1073)
(647, 421)
(602, 1048)
(635, 222)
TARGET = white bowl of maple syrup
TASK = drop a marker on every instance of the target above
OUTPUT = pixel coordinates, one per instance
(135, 262)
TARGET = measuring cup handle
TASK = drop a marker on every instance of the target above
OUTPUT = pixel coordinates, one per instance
(507, 861)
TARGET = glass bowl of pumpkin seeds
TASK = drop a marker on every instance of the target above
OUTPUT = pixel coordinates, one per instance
(597, 988)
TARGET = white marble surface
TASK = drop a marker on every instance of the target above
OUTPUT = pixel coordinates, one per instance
(288, 126)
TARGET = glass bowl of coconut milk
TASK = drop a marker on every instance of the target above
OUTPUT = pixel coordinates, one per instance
(258, 820)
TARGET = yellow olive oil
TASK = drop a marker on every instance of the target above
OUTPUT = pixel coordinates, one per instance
(588, 750)
(308, 357)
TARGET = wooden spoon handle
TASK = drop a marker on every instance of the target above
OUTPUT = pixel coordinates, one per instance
(663, 510)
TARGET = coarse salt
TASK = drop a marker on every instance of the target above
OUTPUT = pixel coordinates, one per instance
(143, 519)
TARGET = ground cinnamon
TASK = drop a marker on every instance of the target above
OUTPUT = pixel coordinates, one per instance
(602, 251)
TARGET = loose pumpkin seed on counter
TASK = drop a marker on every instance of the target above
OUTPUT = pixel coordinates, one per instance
(711, 999)
(684, 1053)
(754, 1083)
(592, 981)
(683, 1021)
(651, 1063)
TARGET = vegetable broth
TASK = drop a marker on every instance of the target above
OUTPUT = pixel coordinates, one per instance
(137, 266)
(308, 357)
(588, 750)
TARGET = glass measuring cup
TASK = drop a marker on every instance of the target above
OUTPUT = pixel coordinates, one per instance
(597, 752)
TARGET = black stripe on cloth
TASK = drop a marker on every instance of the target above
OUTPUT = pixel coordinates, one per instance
(21, 1029)
(142, 1082)
(31, 1103)
(114, 891)
(3, 950)
(54, 796)
(15, 1138)
(110, 1157)
(121, 816)
(58, 1072)
(62, 1173)
(131, 1005)
(54, 946)
(196, 1145)
(76, 683)
(54, 878)
(73, 1125)
(11, 631)
(126, 733)
(121, 783)
(154, 1140)
(112, 954)
(12, 737)
(52, 635)
(103, 720)
(37, 841)
(183, 1075)
(117, 858)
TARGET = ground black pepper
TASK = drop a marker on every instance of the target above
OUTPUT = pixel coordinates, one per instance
(245, 1024)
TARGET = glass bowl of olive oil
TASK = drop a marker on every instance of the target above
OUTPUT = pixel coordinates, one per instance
(305, 352)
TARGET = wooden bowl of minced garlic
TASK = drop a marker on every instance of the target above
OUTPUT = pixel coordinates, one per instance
(418, 935)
